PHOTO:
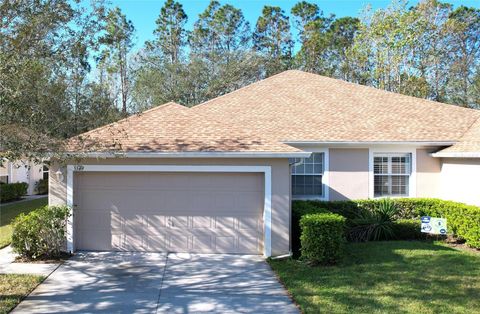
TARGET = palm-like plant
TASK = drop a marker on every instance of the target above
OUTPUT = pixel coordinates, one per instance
(375, 224)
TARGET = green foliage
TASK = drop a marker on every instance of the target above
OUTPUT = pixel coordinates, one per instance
(12, 191)
(40, 233)
(170, 33)
(117, 42)
(323, 238)
(41, 187)
(300, 209)
(47, 52)
(408, 277)
(272, 38)
(463, 221)
(375, 224)
(407, 229)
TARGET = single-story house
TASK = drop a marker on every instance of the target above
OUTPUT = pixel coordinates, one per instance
(23, 171)
(219, 177)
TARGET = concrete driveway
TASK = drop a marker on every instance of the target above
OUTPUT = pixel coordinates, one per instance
(159, 283)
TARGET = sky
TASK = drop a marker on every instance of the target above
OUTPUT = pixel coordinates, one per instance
(143, 13)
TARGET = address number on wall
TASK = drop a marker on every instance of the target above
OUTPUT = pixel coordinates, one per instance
(78, 168)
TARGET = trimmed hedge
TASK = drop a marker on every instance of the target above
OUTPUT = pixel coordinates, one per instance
(12, 191)
(408, 229)
(40, 233)
(322, 238)
(463, 221)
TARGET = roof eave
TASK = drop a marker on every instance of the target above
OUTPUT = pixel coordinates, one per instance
(456, 155)
(152, 154)
(371, 143)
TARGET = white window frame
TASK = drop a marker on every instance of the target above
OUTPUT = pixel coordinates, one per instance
(325, 178)
(47, 171)
(412, 184)
(266, 170)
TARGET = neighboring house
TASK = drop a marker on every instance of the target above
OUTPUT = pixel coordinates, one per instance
(220, 177)
(23, 171)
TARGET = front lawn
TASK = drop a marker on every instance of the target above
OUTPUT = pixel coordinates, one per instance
(387, 277)
(13, 288)
(9, 211)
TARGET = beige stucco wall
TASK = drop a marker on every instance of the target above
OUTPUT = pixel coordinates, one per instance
(460, 180)
(348, 173)
(23, 171)
(428, 173)
(280, 188)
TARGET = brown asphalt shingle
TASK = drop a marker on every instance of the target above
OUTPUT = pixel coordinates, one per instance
(290, 106)
(173, 128)
(299, 106)
(469, 143)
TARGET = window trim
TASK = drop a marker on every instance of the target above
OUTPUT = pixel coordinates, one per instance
(45, 172)
(325, 178)
(412, 188)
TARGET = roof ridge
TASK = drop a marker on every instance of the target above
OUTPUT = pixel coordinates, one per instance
(389, 92)
(132, 116)
(337, 80)
(470, 127)
(245, 87)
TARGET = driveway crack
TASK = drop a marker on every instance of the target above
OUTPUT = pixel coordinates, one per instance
(161, 282)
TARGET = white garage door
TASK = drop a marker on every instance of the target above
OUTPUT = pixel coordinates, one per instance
(169, 212)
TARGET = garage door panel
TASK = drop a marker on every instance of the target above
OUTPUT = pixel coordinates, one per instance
(249, 223)
(135, 224)
(224, 201)
(224, 222)
(92, 219)
(202, 244)
(177, 243)
(248, 202)
(155, 222)
(213, 213)
(248, 244)
(202, 222)
(225, 244)
(94, 239)
(156, 243)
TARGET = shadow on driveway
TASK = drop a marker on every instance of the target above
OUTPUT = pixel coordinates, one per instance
(124, 282)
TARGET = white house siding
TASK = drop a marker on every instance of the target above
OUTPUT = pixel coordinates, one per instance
(26, 172)
(460, 180)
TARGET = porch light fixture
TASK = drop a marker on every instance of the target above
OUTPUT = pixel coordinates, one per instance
(59, 175)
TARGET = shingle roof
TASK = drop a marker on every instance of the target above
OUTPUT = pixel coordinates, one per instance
(292, 106)
(173, 128)
(299, 106)
(469, 143)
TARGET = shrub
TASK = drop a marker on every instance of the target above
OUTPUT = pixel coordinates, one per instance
(40, 233)
(407, 229)
(12, 191)
(42, 186)
(463, 221)
(375, 224)
(300, 209)
(323, 238)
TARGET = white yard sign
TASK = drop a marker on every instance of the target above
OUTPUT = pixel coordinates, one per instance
(434, 225)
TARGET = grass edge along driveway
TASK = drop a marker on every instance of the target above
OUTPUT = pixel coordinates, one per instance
(9, 211)
(387, 277)
(14, 288)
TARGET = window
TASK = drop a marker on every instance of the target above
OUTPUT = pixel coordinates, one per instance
(391, 174)
(307, 176)
(4, 179)
(45, 172)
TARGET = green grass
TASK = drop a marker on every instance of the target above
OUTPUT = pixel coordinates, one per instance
(387, 277)
(9, 211)
(13, 288)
